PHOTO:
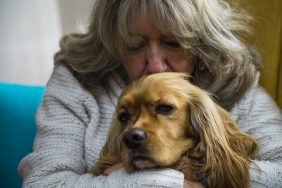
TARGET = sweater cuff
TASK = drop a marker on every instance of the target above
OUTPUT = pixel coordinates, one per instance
(162, 178)
(150, 178)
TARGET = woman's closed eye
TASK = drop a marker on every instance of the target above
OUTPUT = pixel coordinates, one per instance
(171, 43)
(165, 42)
(136, 42)
(136, 47)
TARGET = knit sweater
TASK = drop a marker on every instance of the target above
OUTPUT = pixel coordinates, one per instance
(72, 127)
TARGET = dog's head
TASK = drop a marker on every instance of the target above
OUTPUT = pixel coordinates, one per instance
(154, 125)
(162, 120)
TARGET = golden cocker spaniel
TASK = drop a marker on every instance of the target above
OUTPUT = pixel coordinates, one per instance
(162, 120)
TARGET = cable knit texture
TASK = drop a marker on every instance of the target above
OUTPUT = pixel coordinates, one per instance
(72, 127)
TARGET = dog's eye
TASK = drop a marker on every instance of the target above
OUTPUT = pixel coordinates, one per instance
(164, 109)
(124, 117)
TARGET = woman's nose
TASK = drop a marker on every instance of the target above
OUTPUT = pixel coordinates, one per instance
(156, 59)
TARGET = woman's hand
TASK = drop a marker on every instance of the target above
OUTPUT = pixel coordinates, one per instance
(112, 169)
(192, 184)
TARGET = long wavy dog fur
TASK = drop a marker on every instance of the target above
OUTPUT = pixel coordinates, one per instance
(162, 120)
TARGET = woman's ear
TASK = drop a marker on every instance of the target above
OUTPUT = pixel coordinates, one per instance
(223, 149)
(110, 153)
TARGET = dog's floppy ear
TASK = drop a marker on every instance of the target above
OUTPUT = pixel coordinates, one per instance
(110, 153)
(224, 150)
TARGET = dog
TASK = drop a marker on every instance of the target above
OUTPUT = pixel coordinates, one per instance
(162, 120)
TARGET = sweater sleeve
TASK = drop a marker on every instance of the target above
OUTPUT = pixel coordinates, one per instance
(263, 119)
(58, 157)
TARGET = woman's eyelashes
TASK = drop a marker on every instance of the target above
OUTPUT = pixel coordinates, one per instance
(137, 42)
(136, 47)
(167, 43)
(170, 43)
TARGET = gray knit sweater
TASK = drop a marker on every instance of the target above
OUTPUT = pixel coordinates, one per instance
(72, 127)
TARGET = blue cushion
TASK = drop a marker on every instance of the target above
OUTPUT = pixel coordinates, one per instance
(18, 105)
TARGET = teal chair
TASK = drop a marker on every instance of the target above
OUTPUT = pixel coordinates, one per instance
(18, 105)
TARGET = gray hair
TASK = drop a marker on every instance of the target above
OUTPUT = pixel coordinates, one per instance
(212, 30)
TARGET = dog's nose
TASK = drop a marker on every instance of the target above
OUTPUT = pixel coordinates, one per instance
(134, 138)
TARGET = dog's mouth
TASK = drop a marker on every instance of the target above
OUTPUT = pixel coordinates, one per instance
(142, 161)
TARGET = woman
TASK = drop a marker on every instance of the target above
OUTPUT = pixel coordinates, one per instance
(130, 38)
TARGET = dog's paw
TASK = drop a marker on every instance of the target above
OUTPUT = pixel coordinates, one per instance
(97, 170)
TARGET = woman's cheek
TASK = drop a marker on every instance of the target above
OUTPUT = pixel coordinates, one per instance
(134, 67)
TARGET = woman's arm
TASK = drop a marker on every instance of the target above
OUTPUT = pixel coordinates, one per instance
(263, 120)
(58, 157)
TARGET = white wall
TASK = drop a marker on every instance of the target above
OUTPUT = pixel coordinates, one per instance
(74, 14)
(30, 31)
